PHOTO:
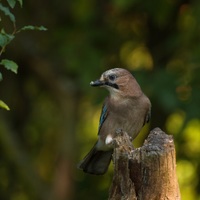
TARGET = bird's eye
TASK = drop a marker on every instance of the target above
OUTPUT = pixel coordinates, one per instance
(112, 77)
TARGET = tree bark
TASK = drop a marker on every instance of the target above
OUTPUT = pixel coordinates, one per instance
(145, 173)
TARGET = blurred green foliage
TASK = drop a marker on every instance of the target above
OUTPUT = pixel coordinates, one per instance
(54, 113)
(6, 37)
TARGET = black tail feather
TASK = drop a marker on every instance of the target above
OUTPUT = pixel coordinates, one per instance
(96, 162)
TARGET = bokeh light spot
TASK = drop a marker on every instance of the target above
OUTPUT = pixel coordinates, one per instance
(136, 56)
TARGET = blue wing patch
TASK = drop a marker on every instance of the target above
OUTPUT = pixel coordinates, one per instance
(103, 116)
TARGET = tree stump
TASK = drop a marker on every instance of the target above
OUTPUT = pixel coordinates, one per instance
(145, 173)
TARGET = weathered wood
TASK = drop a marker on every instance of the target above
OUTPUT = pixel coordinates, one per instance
(122, 186)
(145, 173)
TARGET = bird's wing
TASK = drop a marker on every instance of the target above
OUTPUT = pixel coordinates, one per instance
(104, 114)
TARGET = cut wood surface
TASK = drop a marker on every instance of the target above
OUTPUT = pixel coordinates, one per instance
(145, 173)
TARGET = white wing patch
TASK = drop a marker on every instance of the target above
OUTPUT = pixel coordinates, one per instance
(108, 140)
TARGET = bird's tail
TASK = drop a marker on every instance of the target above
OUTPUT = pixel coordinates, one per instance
(96, 162)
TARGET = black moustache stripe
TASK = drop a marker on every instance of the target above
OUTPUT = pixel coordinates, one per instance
(114, 85)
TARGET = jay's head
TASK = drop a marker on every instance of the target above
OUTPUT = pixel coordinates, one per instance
(119, 82)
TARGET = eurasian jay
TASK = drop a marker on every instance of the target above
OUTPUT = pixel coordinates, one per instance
(125, 108)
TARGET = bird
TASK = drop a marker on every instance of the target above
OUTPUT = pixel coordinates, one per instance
(126, 108)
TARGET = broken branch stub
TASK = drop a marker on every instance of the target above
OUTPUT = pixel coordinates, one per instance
(148, 172)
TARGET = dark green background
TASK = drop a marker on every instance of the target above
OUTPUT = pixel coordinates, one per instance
(54, 113)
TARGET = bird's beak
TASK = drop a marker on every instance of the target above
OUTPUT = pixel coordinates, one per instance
(97, 83)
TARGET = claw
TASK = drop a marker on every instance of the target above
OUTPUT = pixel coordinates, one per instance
(118, 131)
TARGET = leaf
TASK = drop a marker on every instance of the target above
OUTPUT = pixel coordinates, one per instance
(20, 2)
(1, 77)
(3, 105)
(10, 65)
(11, 3)
(5, 38)
(7, 12)
(30, 27)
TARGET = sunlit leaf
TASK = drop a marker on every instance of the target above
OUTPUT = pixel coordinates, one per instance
(7, 12)
(11, 3)
(30, 27)
(3, 105)
(10, 65)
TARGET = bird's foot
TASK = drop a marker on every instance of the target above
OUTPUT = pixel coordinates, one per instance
(119, 130)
